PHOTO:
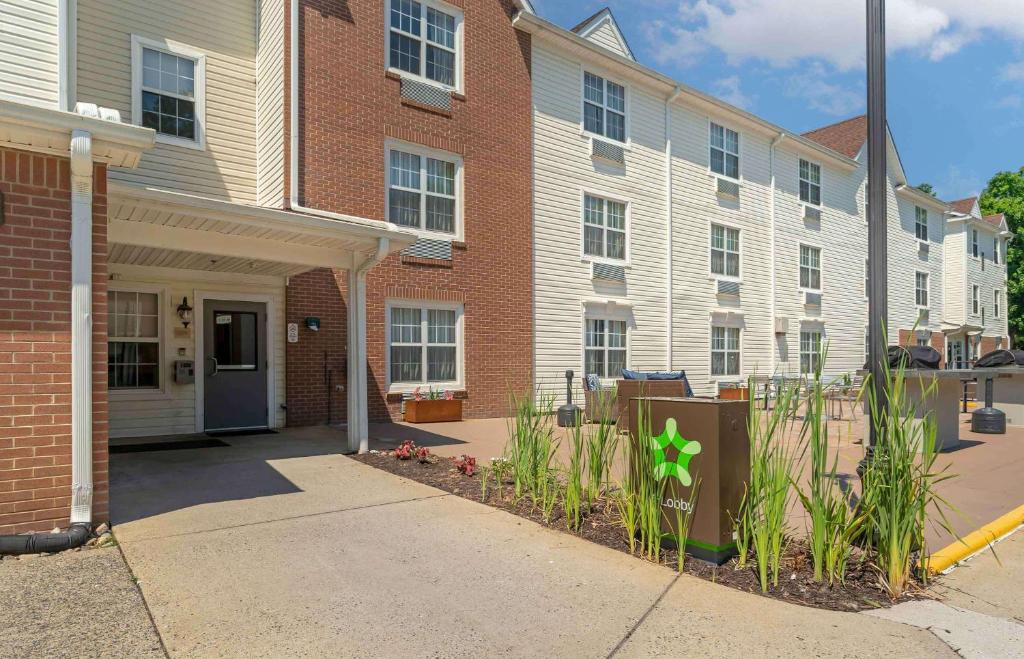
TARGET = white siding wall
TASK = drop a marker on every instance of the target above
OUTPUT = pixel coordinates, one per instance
(29, 71)
(226, 32)
(270, 99)
(563, 169)
(172, 411)
(989, 277)
(695, 206)
(842, 236)
(954, 250)
(604, 36)
(906, 259)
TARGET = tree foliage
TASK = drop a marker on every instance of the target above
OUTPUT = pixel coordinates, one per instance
(1005, 194)
(927, 189)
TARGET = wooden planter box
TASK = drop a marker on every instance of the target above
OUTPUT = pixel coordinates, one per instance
(433, 411)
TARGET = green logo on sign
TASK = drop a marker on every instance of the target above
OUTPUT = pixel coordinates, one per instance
(686, 450)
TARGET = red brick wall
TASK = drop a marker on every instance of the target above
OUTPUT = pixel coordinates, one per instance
(350, 106)
(35, 343)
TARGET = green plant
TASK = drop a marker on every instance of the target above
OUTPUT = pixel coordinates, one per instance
(601, 443)
(572, 492)
(899, 480)
(684, 519)
(643, 490)
(532, 446)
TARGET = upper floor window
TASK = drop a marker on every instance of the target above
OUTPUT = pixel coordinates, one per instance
(423, 188)
(604, 228)
(995, 250)
(810, 183)
(133, 340)
(725, 350)
(725, 151)
(605, 349)
(974, 243)
(424, 40)
(725, 251)
(604, 107)
(997, 299)
(975, 299)
(810, 267)
(921, 289)
(168, 91)
(921, 223)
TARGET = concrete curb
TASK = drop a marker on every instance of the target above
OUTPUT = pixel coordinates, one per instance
(976, 541)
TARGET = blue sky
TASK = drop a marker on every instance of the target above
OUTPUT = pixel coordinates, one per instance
(955, 69)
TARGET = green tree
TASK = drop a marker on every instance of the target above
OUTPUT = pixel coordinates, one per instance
(926, 188)
(1005, 194)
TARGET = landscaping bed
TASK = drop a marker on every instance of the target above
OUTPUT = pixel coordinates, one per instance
(602, 525)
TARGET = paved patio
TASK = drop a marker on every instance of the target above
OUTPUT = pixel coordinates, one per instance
(278, 546)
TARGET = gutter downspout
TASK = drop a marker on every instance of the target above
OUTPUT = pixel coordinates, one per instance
(358, 399)
(668, 225)
(771, 249)
(81, 364)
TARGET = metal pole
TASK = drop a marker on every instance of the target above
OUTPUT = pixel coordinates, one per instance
(877, 187)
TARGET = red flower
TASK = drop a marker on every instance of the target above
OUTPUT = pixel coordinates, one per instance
(466, 464)
(416, 394)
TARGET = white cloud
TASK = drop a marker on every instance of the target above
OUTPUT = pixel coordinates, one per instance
(783, 32)
(1014, 72)
(728, 89)
(1011, 102)
(829, 98)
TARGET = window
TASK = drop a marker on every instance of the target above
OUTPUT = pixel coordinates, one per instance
(725, 151)
(424, 41)
(424, 344)
(974, 243)
(604, 228)
(810, 268)
(975, 299)
(604, 107)
(133, 340)
(810, 183)
(923, 341)
(996, 302)
(921, 223)
(725, 350)
(167, 91)
(725, 251)
(422, 191)
(995, 251)
(604, 347)
(921, 289)
(810, 351)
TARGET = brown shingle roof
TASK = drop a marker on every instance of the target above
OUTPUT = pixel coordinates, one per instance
(963, 206)
(845, 137)
(995, 220)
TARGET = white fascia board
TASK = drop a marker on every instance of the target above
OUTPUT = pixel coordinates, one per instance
(922, 198)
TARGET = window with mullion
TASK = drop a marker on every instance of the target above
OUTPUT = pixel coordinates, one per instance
(724, 151)
(921, 223)
(725, 251)
(725, 350)
(604, 228)
(423, 345)
(430, 53)
(168, 93)
(605, 347)
(133, 340)
(810, 351)
(421, 192)
(810, 182)
(921, 289)
(810, 268)
(604, 107)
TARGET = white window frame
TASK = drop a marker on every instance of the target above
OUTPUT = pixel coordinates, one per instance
(997, 299)
(590, 258)
(739, 352)
(919, 225)
(996, 256)
(458, 384)
(817, 353)
(725, 251)
(739, 150)
(163, 372)
(459, 45)
(178, 50)
(810, 183)
(426, 152)
(974, 247)
(800, 267)
(594, 71)
(607, 317)
(975, 299)
(918, 290)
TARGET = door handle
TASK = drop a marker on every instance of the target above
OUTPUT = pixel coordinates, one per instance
(215, 367)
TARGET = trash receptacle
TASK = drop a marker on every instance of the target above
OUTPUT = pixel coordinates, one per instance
(695, 438)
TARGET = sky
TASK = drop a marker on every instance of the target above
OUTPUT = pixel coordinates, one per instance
(955, 70)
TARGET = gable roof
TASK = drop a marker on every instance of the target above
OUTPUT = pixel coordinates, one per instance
(995, 220)
(845, 137)
(963, 206)
(593, 23)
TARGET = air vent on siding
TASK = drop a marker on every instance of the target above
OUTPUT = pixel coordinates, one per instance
(922, 247)
(425, 248)
(727, 188)
(609, 272)
(781, 324)
(421, 92)
(922, 316)
(726, 287)
(607, 151)
(812, 214)
(812, 299)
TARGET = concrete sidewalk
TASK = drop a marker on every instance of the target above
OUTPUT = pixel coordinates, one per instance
(329, 556)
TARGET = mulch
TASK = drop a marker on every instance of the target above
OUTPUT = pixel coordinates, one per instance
(861, 591)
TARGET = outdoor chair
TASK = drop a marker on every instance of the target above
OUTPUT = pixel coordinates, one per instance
(599, 404)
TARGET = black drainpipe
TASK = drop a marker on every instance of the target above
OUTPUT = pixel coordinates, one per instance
(48, 543)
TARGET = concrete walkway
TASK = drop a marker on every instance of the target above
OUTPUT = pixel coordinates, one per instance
(277, 546)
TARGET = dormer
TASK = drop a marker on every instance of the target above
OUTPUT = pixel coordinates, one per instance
(603, 30)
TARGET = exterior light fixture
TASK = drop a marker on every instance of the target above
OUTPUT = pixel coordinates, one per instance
(185, 312)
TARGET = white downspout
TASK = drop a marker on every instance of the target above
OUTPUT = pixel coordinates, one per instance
(668, 226)
(81, 327)
(771, 249)
(358, 398)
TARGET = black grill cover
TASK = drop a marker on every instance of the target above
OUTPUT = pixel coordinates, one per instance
(998, 358)
(924, 357)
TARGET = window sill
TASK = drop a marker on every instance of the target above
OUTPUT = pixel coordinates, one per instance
(717, 278)
(168, 140)
(398, 391)
(397, 74)
(589, 137)
(622, 263)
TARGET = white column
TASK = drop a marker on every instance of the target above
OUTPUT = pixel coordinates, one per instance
(81, 327)
(358, 414)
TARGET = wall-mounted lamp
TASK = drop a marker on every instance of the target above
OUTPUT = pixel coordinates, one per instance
(185, 312)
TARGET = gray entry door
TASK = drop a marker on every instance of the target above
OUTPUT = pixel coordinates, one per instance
(234, 364)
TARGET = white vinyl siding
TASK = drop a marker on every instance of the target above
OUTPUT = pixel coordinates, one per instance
(30, 70)
(271, 104)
